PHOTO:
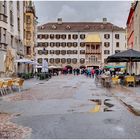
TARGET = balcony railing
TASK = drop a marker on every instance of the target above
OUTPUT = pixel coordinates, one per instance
(93, 51)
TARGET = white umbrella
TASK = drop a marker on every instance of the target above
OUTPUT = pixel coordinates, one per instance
(38, 66)
(44, 66)
(59, 67)
(52, 67)
(23, 61)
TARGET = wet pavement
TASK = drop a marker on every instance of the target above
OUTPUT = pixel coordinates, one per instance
(74, 107)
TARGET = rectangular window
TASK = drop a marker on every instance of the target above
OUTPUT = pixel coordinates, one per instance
(18, 24)
(52, 44)
(82, 51)
(4, 36)
(106, 44)
(11, 41)
(106, 36)
(63, 36)
(74, 51)
(51, 51)
(11, 18)
(28, 50)
(117, 36)
(28, 35)
(82, 36)
(43, 36)
(0, 34)
(18, 5)
(69, 36)
(3, 16)
(28, 19)
(106, 52)
(117, 44)
(3, 7)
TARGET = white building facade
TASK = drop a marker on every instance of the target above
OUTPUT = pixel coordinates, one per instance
(78, 44)
(11, 32)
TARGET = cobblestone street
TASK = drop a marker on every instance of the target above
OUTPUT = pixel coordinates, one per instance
(68, 106)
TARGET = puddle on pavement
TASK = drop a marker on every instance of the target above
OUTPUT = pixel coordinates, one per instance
(25, 89)
(107, 103)
(41, 83)
(107, 110)
(111, 121)
(99, 103)
(17, 115)
(92, 89)
(66, 86)
(71, 110)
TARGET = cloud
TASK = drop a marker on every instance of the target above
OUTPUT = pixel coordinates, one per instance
(115, 11)
(68, 13)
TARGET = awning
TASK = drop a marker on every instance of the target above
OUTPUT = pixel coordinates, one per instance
(26, 61)
(93, 38)
(110, 66)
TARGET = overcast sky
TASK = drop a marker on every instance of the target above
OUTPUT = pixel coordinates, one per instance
(115, 11)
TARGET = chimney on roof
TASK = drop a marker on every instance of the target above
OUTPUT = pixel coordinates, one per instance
(59, 21)
(104, 20)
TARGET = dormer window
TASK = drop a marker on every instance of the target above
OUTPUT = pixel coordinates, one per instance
(102, 26)
(87, 27)
(68, 27)
(42, 27)
(53, 27)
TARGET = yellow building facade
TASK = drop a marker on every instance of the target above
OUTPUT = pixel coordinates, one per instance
(29, 32)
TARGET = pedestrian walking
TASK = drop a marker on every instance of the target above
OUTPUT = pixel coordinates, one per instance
(92, 73)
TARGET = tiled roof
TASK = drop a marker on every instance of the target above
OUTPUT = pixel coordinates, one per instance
(79, 26)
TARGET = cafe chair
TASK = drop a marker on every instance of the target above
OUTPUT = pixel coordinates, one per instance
(115, 80)
(1, 88)
(8, 86)
(18, 84)
(130, 80)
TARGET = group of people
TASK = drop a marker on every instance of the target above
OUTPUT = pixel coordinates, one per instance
(89, 72)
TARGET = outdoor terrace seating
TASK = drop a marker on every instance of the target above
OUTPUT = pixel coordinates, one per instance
(7, 85)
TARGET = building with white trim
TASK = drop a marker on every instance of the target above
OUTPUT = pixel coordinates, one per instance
(11, 31)
(78, 44)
